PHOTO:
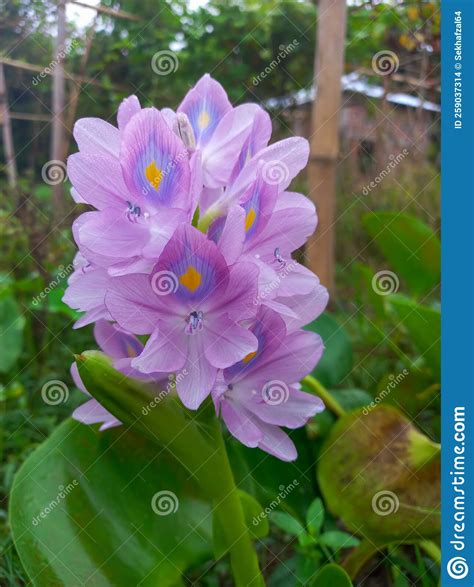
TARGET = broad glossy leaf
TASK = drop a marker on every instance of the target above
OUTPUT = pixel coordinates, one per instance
(423, 325)
(332, 575)
(12, 323)
(336, 362)
(411, 248)
(85, 508)
(381, 476)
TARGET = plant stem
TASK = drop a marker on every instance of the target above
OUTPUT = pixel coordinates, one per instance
(329, 401)
(228, 508)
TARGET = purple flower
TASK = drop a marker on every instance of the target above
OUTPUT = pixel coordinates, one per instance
(139, 179)
(260, 393)
(192, 305)
(190, 243)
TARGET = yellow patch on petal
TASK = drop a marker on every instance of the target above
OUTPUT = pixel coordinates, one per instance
(191, 279)
(131, 352)
(203, 119)
(153, 175)
(249, 357)
(250, 219)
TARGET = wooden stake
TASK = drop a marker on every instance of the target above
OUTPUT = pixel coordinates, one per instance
(57, 135)
(7, 131)
(329, 67)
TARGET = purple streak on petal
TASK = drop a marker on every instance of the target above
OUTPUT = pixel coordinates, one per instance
(205, 105)
(198, 268)
(229, 233)
(155, 163)
(258, 202)
(257, 140)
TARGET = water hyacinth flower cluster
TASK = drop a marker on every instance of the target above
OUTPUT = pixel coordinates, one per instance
(190, 242)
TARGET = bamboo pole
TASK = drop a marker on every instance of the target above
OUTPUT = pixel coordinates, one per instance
(7, 131)
(329, 67)
(57, 135)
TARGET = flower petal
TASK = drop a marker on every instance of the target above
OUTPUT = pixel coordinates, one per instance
(132, 303)
(225, 342)
(205, 105)
(154, 162)
(98, 180)
(97, 137)
(128, 108)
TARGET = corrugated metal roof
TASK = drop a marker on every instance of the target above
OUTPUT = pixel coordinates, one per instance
(354, 82)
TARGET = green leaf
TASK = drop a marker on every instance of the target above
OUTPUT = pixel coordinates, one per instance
(85, 508)
(335, 540)
(423, 325)
(336, 362)
(411, 247)
(287, 523)
(332, 575)
(12, 323)
(315, 516)
(381, 476)
(255, 518)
